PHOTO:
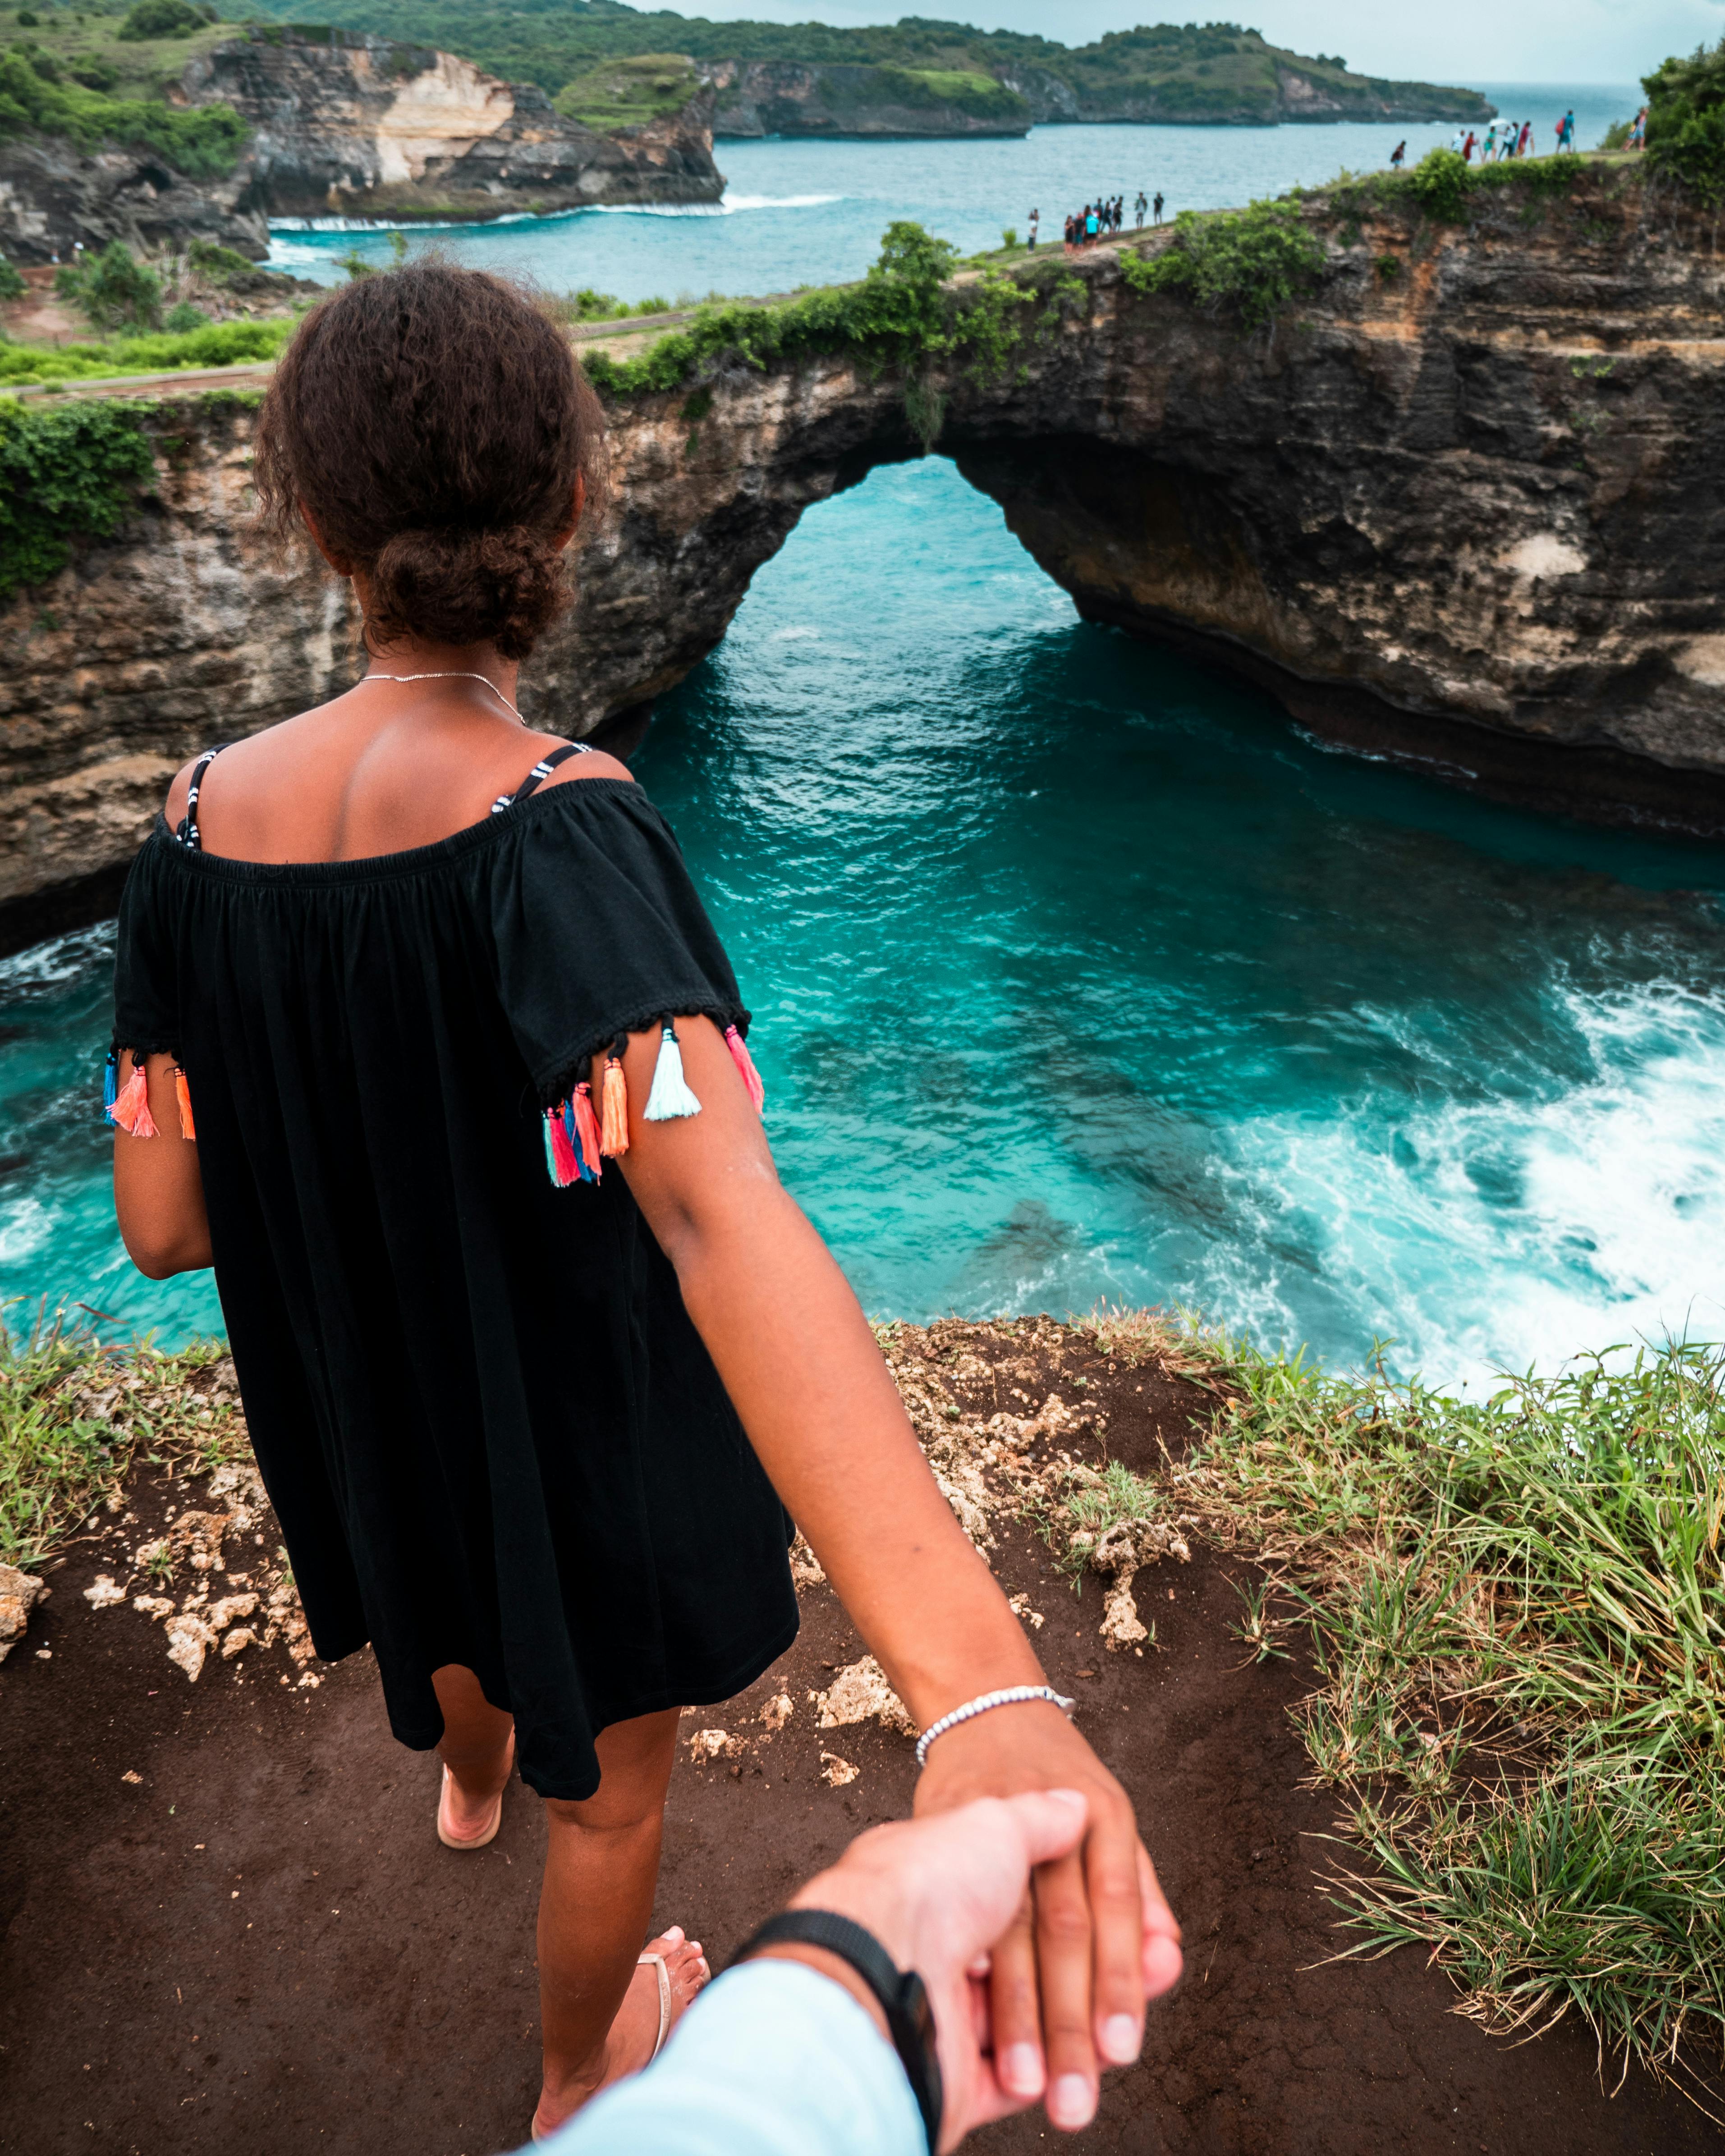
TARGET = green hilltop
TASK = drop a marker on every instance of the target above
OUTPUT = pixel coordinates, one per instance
(1215, 71)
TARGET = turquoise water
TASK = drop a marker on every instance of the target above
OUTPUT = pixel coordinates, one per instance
(1079, 973)
(813, 213)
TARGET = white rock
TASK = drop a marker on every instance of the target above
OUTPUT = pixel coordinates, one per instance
(1120, 1627)
(19, 1592)
(190, 1639)
(105, 1594)
(838, 1772)
(862, 1692)
(242, 1637)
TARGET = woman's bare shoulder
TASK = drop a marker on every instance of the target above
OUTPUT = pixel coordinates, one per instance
(594, 764)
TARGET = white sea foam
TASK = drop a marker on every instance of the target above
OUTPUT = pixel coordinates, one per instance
(729, 205)
(1480, 1233)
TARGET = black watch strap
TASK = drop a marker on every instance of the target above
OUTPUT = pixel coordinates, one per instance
(903, 1996)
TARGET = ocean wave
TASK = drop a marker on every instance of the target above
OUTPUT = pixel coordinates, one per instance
(729, 206)
(1520, 1228)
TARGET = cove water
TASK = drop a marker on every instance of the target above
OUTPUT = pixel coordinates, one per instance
(811, 213)
(1078, 973)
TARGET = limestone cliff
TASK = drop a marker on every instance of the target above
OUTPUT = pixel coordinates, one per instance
(1464, 516)
(361, 126)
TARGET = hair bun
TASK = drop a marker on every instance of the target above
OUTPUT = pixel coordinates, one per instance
(503, 587)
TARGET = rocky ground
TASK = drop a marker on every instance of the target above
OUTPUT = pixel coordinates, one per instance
(228, 1925)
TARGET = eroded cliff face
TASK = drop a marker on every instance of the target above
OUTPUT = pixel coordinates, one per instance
(1464, 515)
(53, 193)
(357, 125)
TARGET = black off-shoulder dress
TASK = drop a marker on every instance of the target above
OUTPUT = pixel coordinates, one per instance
(488, 1427)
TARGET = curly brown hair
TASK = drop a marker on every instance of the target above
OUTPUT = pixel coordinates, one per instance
(434, 424)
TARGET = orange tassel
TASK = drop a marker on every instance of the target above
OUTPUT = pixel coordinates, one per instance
(614, 1104)
(587, 1128)
(132, 1107)
(182, 1094)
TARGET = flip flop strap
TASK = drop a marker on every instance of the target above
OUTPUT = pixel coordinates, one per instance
(664, 1998)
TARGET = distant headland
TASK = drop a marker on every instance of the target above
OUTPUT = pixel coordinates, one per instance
(596, 58)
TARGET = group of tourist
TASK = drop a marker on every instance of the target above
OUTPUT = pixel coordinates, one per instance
(1103, 218)
(1503, 138)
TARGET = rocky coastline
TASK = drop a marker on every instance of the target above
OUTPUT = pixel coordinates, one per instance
(1459, 517)
(346, 124)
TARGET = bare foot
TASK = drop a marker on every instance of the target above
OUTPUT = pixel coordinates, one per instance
(629, 2042)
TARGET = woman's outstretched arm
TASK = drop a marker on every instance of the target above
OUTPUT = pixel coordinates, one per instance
(158, 1191)
(802, 1368)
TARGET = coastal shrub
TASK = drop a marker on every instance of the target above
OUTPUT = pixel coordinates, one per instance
(182, 317)
(66, 473)
(217, 344)
(1686, 120)
(1252, 263)
(905, 313)
(216, 264)
(161, 18)
(204, 142)
(1440, 184)
(12, 285)
(113, 289)
(1517, 1610)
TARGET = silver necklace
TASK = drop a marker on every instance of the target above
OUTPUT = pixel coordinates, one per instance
(450, 674)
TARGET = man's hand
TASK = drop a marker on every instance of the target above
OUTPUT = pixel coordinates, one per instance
(1095, 1939)
(938, 1894)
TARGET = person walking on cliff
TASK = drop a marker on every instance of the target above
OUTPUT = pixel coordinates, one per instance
(424, 1041)
(1156, 206)
(1140, 204)
(1035, 219)
(1398, 155)
(1092, 224)
(1566, 131)
(1637, 132)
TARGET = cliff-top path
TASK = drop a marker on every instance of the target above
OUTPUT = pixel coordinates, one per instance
(229, 1925)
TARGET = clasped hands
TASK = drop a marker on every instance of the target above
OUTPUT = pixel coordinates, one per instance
(1023, 1896)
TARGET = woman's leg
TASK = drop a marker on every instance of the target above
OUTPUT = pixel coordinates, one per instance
(475, 1747)
(599, 2014)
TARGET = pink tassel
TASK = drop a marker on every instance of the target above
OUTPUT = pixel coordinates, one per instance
(746, 1063)
(131, 1108)
(565, 1166)
(587, 1129)
(182, 1096)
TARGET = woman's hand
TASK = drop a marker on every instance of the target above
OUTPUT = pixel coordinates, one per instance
(1092, 1942)
(821, 1410)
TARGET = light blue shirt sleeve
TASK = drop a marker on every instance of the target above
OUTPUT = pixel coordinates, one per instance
(772, 2060)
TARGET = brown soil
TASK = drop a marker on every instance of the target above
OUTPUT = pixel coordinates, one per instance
(258, 1947)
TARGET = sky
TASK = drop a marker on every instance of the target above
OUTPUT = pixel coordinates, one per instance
(1465, 41)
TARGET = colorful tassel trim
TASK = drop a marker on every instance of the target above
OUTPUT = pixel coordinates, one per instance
(111, 1081)
(589, 1139)
(670, 1096)
(182, 1096)
(746, 1063)
(613, 1108)
(132, 1106)
(564, 1169)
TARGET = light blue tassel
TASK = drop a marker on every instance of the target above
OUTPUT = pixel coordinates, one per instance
(670, 1096)
(550, 1157)
(110, 1082)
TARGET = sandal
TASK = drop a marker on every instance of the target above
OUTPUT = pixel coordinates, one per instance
(665, 2020)
(471, 1841)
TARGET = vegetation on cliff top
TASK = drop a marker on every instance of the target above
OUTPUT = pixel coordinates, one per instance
(1165, 70)
(66, 473)
(217, 344)
(44, 94)
(1686, 120)
(1516, 1611)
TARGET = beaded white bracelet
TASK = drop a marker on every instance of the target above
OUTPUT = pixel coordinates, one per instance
(1013, 1695)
